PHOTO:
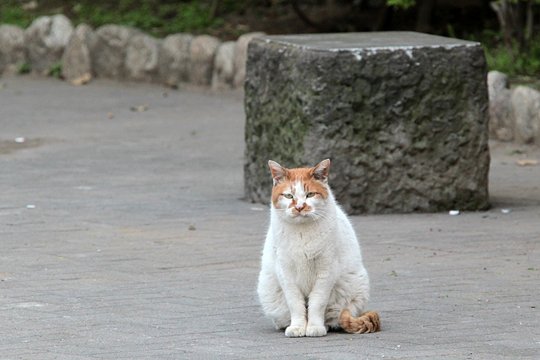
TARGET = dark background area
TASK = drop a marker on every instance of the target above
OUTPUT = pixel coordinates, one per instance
(508, 29)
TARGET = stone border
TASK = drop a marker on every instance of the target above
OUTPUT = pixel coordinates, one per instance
(51, 43)
(514, 112)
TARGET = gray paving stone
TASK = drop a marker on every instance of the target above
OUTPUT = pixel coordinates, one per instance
(105, 265)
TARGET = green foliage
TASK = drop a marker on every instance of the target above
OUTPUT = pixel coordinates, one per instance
(158, 17)
(511, 61)
(24, 68)
(405, 4)
(11, 13)
(190, 17)
(56, 70)
(162, 19)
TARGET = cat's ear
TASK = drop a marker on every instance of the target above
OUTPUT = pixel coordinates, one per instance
(278, 171)
(321, 170)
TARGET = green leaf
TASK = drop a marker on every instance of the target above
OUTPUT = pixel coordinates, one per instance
(405, 4)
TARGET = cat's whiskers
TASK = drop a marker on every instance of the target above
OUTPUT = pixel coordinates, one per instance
(320, 214)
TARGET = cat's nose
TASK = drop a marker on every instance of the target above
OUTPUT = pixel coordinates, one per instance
(300, 207)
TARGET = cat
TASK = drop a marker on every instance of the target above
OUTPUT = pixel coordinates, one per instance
(312, 278)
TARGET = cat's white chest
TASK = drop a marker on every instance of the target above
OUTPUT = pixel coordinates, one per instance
(305, 256)
(302, 244)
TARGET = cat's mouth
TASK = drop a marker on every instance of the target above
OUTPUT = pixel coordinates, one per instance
(300, 218)
(303, 214)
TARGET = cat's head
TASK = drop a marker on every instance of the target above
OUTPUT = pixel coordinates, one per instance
(300, 195)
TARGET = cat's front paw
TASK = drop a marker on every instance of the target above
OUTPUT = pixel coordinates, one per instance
(316, 331)
(295, 331)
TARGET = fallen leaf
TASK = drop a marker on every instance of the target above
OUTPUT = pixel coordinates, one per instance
(527, 162)
(81, 80)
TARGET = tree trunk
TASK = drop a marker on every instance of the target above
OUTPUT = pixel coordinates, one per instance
(529, 24)
(516, 22)
(423, 20)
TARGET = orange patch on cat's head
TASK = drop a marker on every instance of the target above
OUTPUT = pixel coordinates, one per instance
(313, 179)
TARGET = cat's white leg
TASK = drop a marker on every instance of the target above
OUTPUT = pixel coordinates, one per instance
(273, 300)
(297, 307)
(318, 302)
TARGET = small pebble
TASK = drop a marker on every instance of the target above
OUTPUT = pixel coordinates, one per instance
(506, 211)
(453, 212)
(20, 140)
(139, 108)
(192, 228)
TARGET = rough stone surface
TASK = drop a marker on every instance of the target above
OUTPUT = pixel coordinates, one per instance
(402, 115)
(142, 58)
(76, 61)
(501, 124)
(240, 57)
(174, 63)
(45, 40)
(223, 73)
(12, 49)
(202, 52)
(109, 50)
(526, 114)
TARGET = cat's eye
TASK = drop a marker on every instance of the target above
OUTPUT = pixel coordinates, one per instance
(288, 196)
(311, 194)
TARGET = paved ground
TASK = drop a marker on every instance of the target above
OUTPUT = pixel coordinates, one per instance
(123, 236)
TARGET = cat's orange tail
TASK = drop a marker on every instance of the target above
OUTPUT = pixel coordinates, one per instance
(368, 322)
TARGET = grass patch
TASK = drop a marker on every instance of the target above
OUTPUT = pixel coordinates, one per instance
(24, 68)
(513, 61)
(56, 70)
(12, 13)
(521, 65)
(157, 17)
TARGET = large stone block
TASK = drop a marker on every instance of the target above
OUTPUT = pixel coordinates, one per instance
(108, 51)
(501, 121)
(45, 40)
(174, 63)
(141, 61)
(12, 49)
(402, 115)
(76, 60)
(202, 51)
(240, 57)
(525, 103)
(223, 75)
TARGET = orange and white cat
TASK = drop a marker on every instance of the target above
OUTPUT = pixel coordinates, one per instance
(312, 277)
